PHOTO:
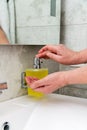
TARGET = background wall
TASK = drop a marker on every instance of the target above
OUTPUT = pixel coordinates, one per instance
(74, 35)
(13, 61)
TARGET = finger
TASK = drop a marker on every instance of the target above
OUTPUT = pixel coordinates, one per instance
(44, 89)
(42, 55)
(34, 78)
(54, 56)
(30, 79)
(37, 84)
(45, 48)
(48, 48)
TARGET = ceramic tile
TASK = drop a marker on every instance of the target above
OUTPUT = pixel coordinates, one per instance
(74, 12)
(74, 36)
(74, 91)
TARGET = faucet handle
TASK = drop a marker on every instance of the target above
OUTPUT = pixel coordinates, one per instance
(3, 85)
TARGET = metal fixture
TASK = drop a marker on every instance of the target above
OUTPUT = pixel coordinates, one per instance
(5, 126)
(23, 83)
(37, 63)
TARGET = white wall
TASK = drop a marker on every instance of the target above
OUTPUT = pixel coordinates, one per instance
(74, 24)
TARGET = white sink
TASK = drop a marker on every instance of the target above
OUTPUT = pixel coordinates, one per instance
(16, 112)
(53, 112)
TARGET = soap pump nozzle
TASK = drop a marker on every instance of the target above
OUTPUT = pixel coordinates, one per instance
(37, 63)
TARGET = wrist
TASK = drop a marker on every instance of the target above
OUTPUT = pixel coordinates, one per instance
(70, 77)
(77, 58)
(65, 75)
(82, 57)
(77, 76)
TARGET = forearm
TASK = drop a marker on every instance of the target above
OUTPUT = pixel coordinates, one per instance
(79, 57)
(77, 76)
(83, 56)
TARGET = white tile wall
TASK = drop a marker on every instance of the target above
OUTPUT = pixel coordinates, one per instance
(74, 12)
(74, 24)
(74, 36)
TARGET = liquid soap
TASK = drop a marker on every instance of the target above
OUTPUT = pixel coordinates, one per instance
(39, 73)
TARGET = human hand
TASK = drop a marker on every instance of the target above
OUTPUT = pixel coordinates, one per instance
(50, 83)
(59, 53)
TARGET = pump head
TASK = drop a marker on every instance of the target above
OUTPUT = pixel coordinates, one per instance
(37, 63)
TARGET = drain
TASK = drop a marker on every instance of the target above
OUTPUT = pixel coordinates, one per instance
(5, 126)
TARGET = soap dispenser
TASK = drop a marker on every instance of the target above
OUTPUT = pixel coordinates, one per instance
(36, 72)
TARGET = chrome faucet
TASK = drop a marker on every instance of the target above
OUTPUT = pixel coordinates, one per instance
(3, 86)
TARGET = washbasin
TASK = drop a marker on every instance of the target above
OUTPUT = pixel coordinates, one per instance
(16, 112)
(53, 112)
(59, 112)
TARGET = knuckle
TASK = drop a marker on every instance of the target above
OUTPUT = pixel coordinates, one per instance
(61, 45)
(47, 46)
(36, 84)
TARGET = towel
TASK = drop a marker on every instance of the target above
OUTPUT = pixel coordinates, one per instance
(7, 19)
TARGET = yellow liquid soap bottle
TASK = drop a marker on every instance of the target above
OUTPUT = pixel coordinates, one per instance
(37, 72)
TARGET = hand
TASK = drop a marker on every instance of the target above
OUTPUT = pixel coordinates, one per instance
(50, 83)
(59, 53)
